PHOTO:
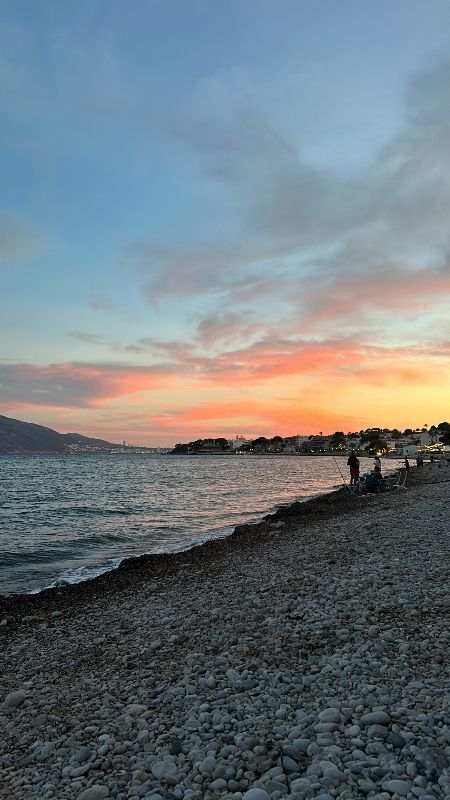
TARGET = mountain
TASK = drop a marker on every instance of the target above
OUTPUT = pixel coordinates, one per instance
(26, 437)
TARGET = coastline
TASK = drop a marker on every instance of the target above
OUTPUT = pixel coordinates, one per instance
(250, 662)
(144, 562)
(193, 523)
(144, 567)
(141, 568)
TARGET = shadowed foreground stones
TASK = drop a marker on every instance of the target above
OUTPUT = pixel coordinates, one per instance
(310, 662)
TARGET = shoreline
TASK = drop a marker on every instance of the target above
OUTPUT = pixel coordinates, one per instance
(302, 657)
(108, 562)
(142, 567)
(9, 599)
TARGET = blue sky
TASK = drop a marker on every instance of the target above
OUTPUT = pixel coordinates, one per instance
(194, 174)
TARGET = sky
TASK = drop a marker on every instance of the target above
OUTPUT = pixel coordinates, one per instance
(224, 218)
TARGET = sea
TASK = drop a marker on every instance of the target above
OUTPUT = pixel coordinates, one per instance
(67, 518)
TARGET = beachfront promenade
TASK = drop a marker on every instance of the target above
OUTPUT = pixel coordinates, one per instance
(304, 657)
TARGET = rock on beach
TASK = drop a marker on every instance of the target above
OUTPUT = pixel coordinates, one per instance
(302, 660)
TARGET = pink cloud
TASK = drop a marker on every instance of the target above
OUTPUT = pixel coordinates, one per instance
(75, 385)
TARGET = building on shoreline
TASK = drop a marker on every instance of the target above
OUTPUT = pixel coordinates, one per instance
(237, 442)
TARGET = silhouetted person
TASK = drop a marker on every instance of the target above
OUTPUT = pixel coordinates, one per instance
(353, 463)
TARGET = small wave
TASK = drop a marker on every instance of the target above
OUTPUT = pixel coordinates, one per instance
(97, 511)
(90, 571)
(87, 572)
(80, 575)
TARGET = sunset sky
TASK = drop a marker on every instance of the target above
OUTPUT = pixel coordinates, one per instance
(222, 218)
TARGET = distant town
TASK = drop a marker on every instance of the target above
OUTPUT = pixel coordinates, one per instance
(432, 439)
(125, 447)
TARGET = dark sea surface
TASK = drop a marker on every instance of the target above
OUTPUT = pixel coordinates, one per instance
(67, 518)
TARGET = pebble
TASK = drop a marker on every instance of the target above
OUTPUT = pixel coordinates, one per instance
(329, 715)
(375, 718)
(95, 792)
(256, 794)
(163, 769)
(219, 785)
(14, 699)
(402, 788)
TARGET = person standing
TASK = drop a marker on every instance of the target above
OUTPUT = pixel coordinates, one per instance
(377, 467)
(353, 463)
(406, 464)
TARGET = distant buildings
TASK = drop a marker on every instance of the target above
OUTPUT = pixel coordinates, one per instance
(382, 441)
(319, 444)
(237, 442)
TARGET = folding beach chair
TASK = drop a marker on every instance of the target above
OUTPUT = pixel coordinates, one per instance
(392, 480)
(396, 481)
(401, 482)
(372, 483)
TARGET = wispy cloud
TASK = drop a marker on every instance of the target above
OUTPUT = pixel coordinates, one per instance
(102, 303)
(90, 338)
(225, 328)
(19, 240)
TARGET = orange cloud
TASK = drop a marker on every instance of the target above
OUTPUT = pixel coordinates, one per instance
(265, 363)
(255, 417)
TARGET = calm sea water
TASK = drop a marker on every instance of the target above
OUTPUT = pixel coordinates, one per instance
(66, 518)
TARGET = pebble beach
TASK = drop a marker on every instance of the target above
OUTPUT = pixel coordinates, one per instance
(306, 656)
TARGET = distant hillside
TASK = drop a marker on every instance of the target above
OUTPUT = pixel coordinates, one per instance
(26, 437)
